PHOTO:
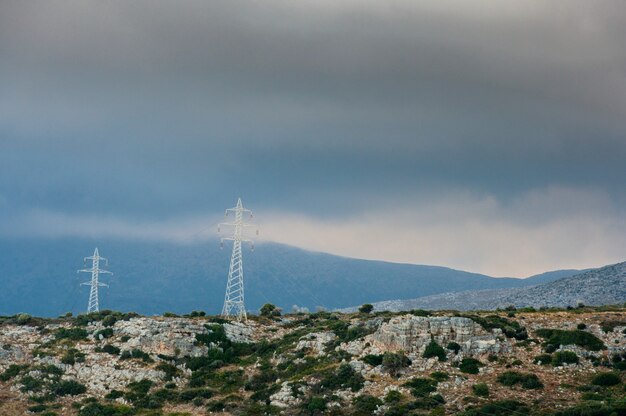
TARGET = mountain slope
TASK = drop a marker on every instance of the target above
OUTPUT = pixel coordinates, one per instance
(39, 277)
(602, 286)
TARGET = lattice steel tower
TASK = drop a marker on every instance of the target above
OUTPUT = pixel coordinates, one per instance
(234, 298)
(95, 271)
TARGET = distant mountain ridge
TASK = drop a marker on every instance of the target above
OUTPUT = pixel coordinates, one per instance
(603, 286)
(39, 277)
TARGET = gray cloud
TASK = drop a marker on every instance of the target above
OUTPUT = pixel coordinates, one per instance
(153, 110)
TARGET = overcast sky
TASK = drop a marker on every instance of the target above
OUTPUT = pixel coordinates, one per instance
(483, 135)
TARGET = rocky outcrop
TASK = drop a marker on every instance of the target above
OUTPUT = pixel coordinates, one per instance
(289, 396)
(239, 332)
(171, 337)
(316, 342)
(412, 333)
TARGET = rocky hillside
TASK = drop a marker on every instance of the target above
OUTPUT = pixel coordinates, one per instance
(603, 286)
(313, 364)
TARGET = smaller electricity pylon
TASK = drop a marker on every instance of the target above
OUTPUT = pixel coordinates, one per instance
(95, 271)
(233, 300)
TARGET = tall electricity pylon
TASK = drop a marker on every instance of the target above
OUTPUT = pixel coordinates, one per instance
(233, 300)
(95, 270)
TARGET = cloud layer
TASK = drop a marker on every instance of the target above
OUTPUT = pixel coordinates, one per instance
(146, 115)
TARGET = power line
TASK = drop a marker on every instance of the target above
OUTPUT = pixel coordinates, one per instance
(234, 297)
(93, 305)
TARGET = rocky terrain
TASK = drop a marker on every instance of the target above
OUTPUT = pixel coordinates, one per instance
(603, 286)
(553, 362)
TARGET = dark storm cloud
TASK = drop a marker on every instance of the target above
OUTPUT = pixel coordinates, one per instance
(150, 108)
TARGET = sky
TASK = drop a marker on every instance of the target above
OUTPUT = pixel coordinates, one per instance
(488, 136)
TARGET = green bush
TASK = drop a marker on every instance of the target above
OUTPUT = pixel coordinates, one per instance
(169, 370)
(510, 328)
(394, 362)
(421, 387)
(74, 334)
(366, 308)
(104, 333)
(470, 365)
(109, 320)
(269, 310)
(343, 377)
(97, 409)
(434, 350)
(12, 371)
(23, 318)
(453, 346)
(499, 408)
(316, 403)
(606, 379)
(480, 389)
(581, 326)
(393, 396)
(366, 404)
(564, 357)
(557, 337)
(543, 359)
(373, 360)
(73, 356)
(527, 381)
(110, 349)
(609, 326)
(69, 388)
(439, 375)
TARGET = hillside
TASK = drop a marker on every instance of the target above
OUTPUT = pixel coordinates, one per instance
(498, 364)
(602, 286)
(152, 278)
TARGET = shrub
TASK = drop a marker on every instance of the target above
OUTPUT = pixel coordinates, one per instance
(110, 349)
(480, 389)
(366, 404)
(316, 404)
(557, 337)
(527, 381)
(104, 333)
(581, 326)
(606, 379)
(373, 360)
(74, 334)
(97, 409)
(393, 396)
(439, 375)
(393, 362)
(543, 359)
(564, 357)
(12, 371)
(366, 308)
(269, 310)
(72, 356)
(510, 328)
(499, 408)
(23, 318)
(344, 377)
(609, 326)
(453, 346)
(169, 370)
(421, 387)
(69, 388)
(434, 350)
(470, 365)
